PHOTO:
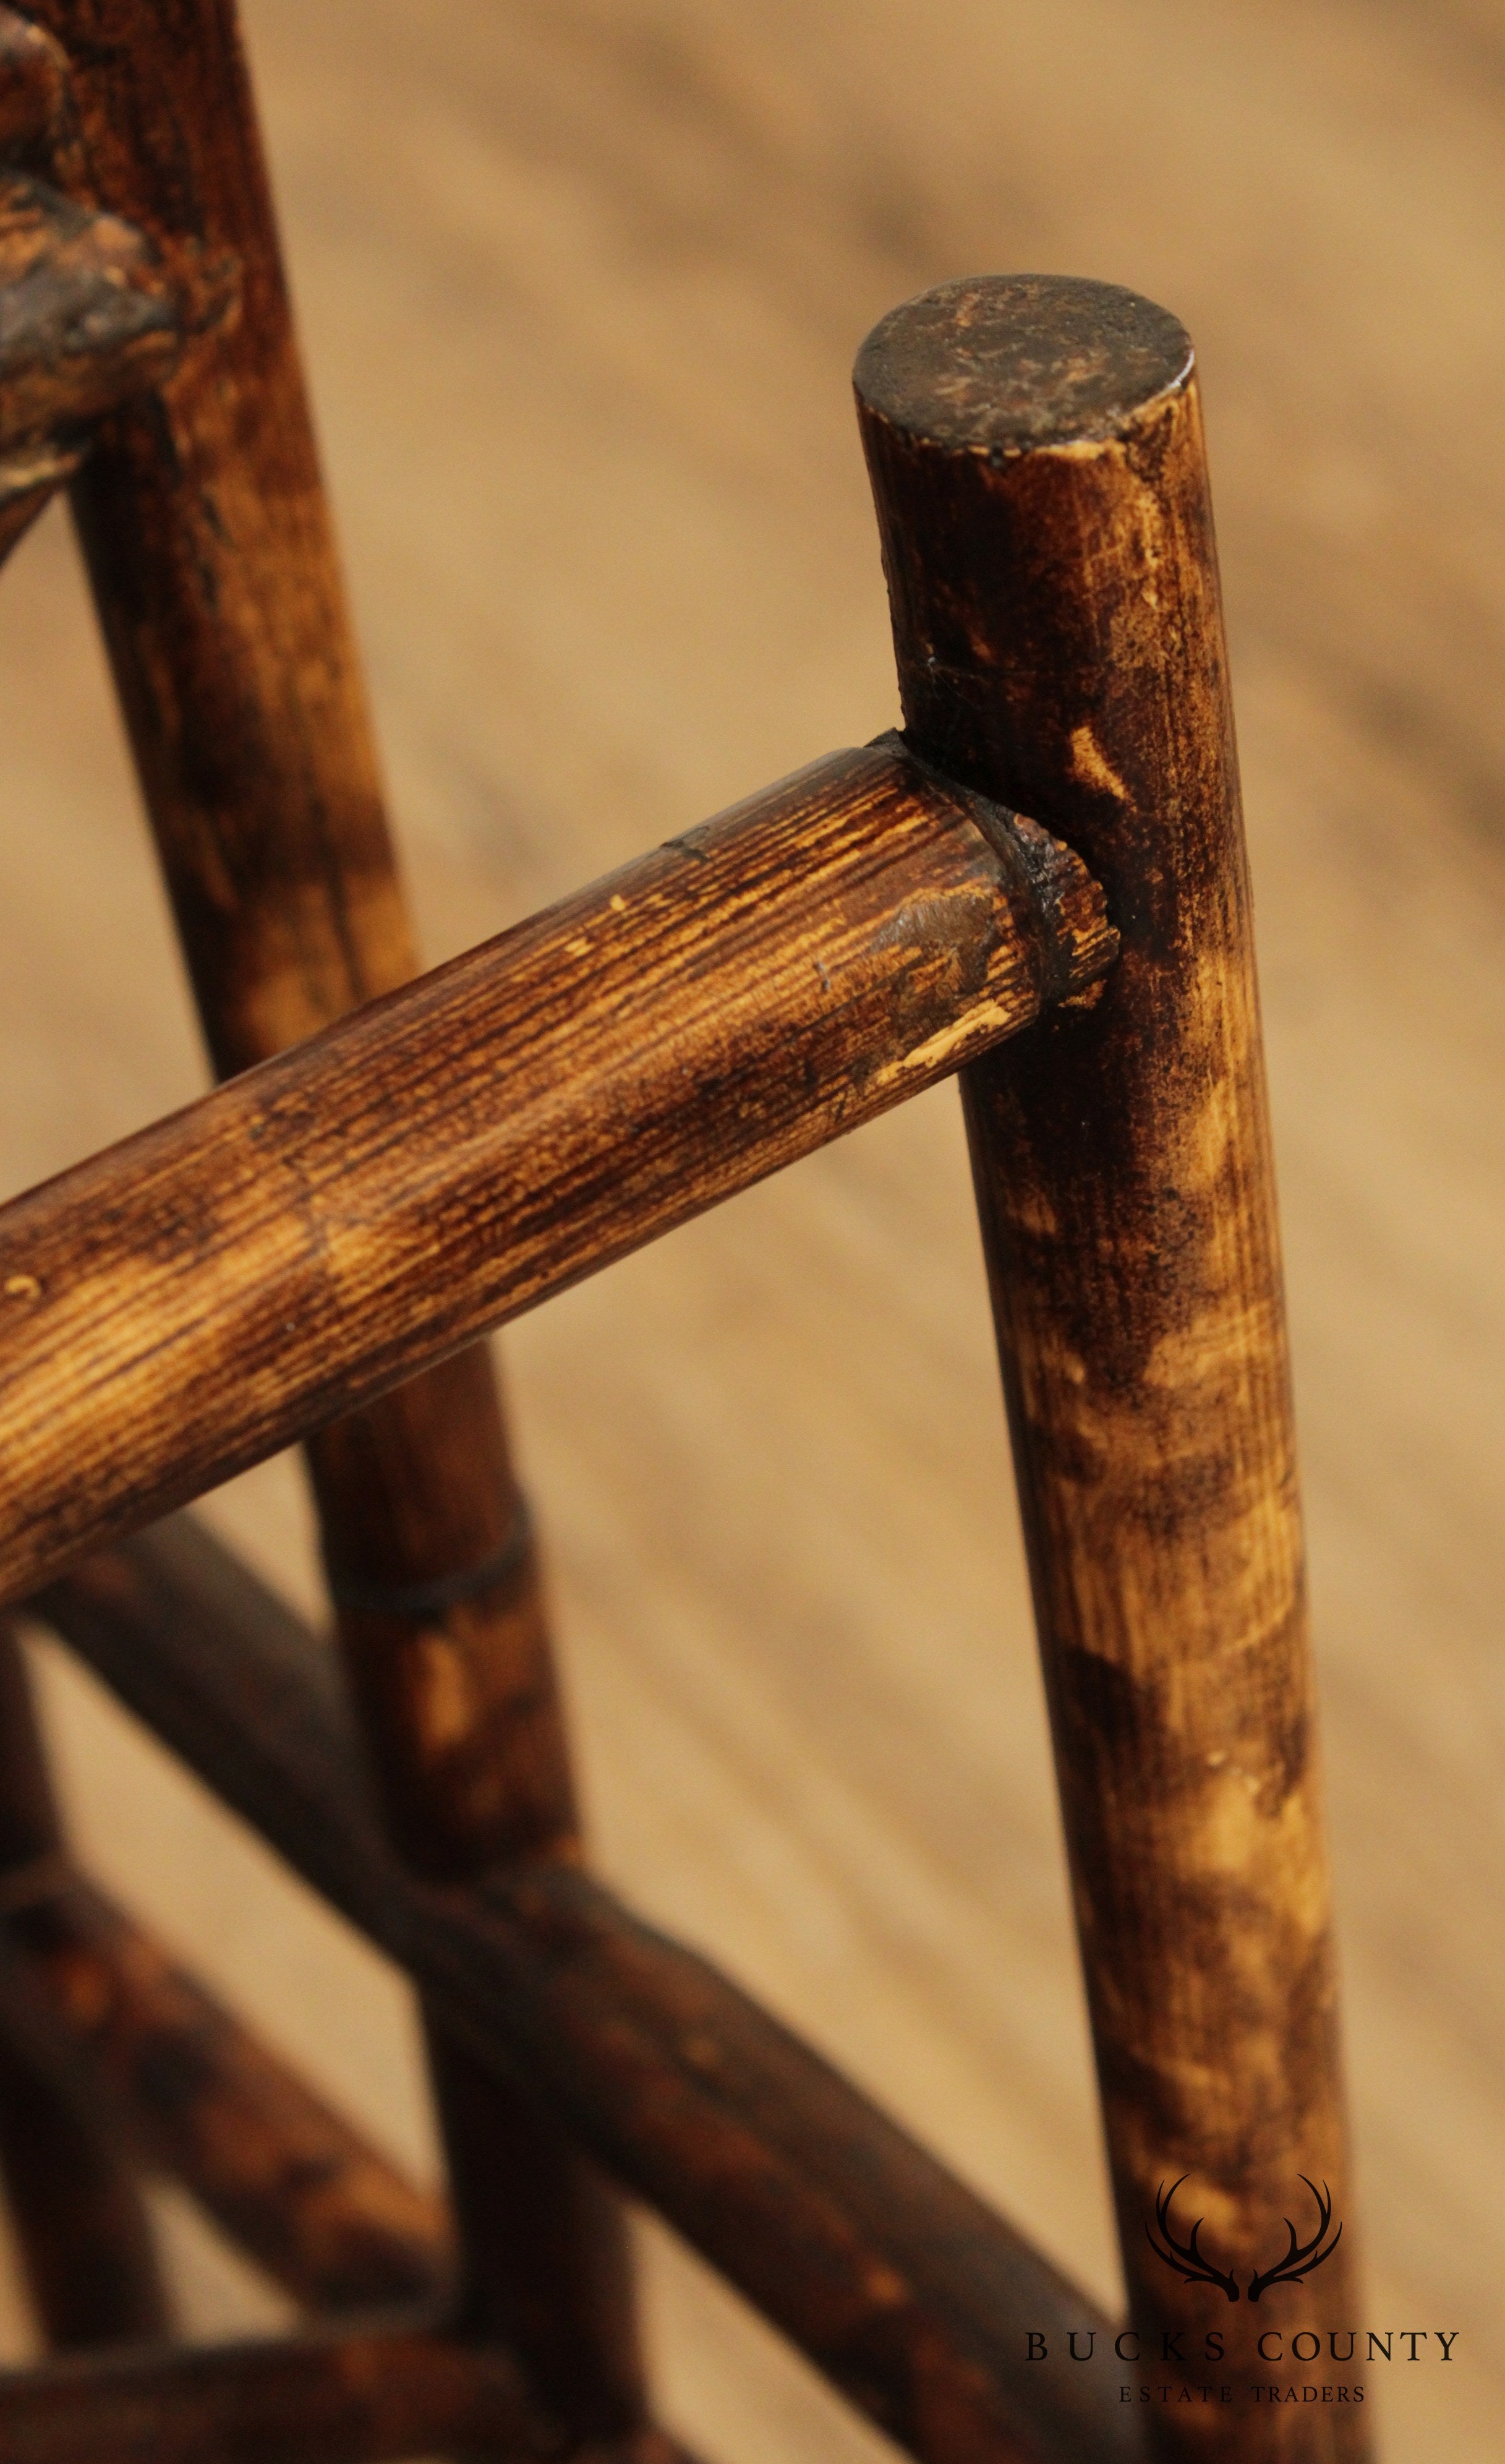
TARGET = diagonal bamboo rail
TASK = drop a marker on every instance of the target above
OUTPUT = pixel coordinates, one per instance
(363, 2394)
(313, 1250)
(207, 537)
(327, 1223)
(172, 2077)
(909, 2292)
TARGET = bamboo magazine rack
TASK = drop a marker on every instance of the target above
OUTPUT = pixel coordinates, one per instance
(1039, 885)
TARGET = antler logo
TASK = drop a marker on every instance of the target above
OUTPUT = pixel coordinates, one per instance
(1189, 2263)
(1186, 2257)
(1301, 2257)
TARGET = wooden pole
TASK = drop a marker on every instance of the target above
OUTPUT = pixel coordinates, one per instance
(81, 2226)
(209, 542)
(1037, 456)
(204, 2101)
(86, 319)
(340, 2395)
(310, 1234)
(906, 2289)
(34, 106)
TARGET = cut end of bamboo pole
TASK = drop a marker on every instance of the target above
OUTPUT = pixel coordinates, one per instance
(1012, 364)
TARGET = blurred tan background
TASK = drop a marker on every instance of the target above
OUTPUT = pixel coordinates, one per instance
(580, 283)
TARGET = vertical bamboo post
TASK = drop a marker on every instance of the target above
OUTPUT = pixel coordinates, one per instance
(436, 1583)
(80, 2223)
(1037, 457)
(209, 548)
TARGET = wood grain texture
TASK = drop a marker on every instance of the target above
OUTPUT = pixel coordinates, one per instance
(901, 2286)
(204, 2101)
(327, 1223)
(72, 2194)
(1036, 454)
(579, 291)
(87, 320)
(213, 565)
(215, 574)
(437, 1586)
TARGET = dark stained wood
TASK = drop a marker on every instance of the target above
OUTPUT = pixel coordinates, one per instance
(215, 1664)
(86, 320)
(75, 2203)
(205, 528)
(908, 2291)
(84, 2239)
(438, 1592)
(1037, 457)
(33, 96)
(215, 573)
(309, 1235)
(673, 577)
(286, 2178)
(905, 2290)
(30, 1825)
(335, 2396)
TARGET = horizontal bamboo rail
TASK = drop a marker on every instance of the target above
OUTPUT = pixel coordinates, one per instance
(199, 2097)
(336, 2396)
(901, 2285)
(328, 1222)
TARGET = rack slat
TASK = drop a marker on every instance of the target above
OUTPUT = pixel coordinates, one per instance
(75, 2202)
(203, 2099)
(215, 573)
(906, 2290)
(335, 2396)
(303, 1238)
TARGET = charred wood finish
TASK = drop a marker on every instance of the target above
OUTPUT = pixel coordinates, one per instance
(325, 2215)
(35, 117)
(83, 2234)
(337, 2397)
(209, 546)
(86, 320)
(437, 1588)
(203, 1293)
(903, 2287)
(208, 540)
(1036, 455)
